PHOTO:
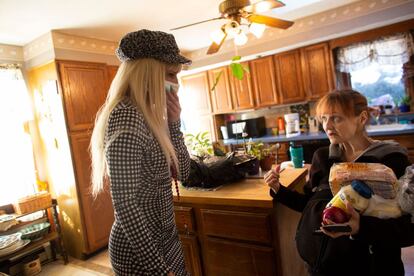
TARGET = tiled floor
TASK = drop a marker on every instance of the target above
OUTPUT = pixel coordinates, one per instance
(99, 265)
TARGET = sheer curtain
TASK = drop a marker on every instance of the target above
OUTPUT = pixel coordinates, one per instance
(17, 170)
(390, 50)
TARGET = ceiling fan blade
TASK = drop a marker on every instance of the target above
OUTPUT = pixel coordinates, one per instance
(214, 47)
(269, 21)
(185, 26)
(267, 4)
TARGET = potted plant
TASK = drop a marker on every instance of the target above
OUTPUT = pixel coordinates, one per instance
(199, 145)
(253, 149)
(264, 155)
(405, 104)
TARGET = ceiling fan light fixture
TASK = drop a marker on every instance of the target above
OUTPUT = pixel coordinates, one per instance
(257, 29)
(232, 28)
(217, 36)
(262, 6)
(240, 39)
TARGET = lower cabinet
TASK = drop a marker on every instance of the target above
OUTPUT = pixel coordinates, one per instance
(227, 240)
(235, 258)
(191, 254)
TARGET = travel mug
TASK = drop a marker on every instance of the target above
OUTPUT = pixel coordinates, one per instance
(296, 155)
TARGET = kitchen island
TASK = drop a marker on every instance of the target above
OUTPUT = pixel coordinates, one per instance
(237, 229)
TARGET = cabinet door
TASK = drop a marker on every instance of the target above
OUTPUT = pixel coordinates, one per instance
(289, 77)
(221, 95)
(112, 69)
(85, 86)
(246, 226)
(195, 104)
(191, 254)
(228, 258)
(317, 70)
(242, 90)
(264, 84)
(97, 214)
(194, 95)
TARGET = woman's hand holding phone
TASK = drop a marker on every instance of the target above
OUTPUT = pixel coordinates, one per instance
(173, 107)
(337, 230)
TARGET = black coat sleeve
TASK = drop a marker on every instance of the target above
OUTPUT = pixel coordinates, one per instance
(298, 201)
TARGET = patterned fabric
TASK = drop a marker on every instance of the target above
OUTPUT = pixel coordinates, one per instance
(150, 44)
(144, 239)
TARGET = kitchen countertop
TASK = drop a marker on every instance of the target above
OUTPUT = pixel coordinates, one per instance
(248, 192)
(408, 129)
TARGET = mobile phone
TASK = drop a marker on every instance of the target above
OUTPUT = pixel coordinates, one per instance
(334, 228)
(337, 228)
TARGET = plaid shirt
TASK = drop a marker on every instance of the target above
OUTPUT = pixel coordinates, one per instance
(144, 239)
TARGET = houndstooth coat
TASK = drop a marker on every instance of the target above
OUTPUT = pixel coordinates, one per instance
(144, 239)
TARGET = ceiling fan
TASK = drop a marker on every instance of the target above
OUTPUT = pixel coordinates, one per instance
(242, 15)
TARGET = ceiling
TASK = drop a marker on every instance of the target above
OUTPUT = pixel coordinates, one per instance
(24, 20)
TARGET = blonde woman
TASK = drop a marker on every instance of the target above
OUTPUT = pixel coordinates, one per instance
(138, 145)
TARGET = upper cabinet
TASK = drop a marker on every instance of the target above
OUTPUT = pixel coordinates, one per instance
(264, 84)
(221, 95)
(289, 77)
(85, 86)
(242, 90)
(112, 69)
(195, 93)
(317, 70)
(195, 103)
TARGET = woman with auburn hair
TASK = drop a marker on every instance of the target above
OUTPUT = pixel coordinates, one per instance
(373, 246)
(138, 145)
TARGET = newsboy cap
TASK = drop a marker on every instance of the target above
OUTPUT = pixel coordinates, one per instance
(150, 44)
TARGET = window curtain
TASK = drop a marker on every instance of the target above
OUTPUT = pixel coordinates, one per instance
(17, 169)
(396, 49)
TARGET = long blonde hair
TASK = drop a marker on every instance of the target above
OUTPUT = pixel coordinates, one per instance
(142, 81)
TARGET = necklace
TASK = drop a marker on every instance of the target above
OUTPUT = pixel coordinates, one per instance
(174, 177)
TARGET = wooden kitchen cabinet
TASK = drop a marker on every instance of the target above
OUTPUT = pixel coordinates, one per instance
(317, 70)
(239, 259)
(242, 90)
(99, 226)
(80, 91)
(234, 241)
(191, 254)
(240, 230)
(195, 104)
(220, 96)
(184, 219)
(112, 70)
(196, 91)
(264, 82)
(85, 86)
(289, 77)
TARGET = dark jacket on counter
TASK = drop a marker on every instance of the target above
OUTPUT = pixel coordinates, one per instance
(376, 249)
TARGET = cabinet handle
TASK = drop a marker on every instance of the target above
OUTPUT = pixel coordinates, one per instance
(186, 229)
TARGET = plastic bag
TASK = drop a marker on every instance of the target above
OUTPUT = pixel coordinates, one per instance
(378, 177)
(382, 208)
(218, 170)
(405, 194)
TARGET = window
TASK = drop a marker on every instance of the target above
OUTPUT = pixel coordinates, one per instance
(17, 170)
(380, 84)
(376, 67)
